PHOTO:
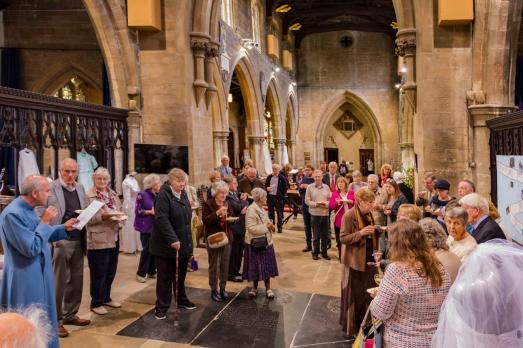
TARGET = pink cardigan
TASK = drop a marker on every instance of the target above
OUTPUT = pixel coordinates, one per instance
(338, 208)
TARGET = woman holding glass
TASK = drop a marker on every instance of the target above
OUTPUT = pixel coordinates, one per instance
(359, 238)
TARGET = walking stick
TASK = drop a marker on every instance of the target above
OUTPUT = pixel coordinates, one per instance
(177, 292)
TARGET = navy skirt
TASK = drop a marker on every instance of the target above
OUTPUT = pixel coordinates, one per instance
(259, 265)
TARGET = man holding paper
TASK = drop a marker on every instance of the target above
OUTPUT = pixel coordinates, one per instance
(317, 198)
(28, 276)
(68, 254)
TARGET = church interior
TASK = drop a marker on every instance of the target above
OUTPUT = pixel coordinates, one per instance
(432, 88)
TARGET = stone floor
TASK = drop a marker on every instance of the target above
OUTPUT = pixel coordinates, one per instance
(304, 313)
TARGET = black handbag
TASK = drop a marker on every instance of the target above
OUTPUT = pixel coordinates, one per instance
(259, 243)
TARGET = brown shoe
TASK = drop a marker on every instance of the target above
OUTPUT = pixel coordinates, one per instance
(78, 322)
(62, 332)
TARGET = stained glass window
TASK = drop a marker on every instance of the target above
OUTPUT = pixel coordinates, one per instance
(74, 89)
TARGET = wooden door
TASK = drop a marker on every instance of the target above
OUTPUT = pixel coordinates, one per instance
(365, 155)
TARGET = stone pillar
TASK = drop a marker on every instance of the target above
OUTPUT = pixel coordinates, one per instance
(480, 163)
(199, 45)
(220, 141)
(406, 49)
(210, 54)
(291, 149)
(278, 150)
(134, 123)
(256, 149)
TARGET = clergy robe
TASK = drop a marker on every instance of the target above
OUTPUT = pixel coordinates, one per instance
(28, 274)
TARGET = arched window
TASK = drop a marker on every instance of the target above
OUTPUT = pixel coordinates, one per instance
(79, 89)
(227, 12)
(256, 22)
(268, 129)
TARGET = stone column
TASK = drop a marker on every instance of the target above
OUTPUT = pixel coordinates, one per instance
(406, 49)
(199, 45)
(220, 139)
(256, 149)
(291, 149)
(134, 123)
(278, 150)
(210, 54)
(480, 163)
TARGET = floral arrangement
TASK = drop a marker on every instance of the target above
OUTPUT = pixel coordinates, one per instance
(409, 178)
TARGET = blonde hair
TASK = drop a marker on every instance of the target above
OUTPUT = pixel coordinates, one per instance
(365, 195)
(212, 175)
(386, 166)
(411, 211)
(344, 181)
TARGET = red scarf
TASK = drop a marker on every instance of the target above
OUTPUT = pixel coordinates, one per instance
(106, 198)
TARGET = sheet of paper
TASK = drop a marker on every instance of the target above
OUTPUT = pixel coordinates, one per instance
(88, 214)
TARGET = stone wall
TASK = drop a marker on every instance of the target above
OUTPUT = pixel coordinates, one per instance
(327, 71)
(54, 38)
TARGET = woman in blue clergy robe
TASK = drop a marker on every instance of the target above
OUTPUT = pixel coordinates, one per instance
(28, 275)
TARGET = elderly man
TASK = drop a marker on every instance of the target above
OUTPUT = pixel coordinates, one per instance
(26, 328)
(317, 198)
(484, 228)
(224, 169)
(465, 187)
(68, 255)
(381, 198)
(425, 196)
(28, 276)
(331, 176)
(276, 184)
(250, 181)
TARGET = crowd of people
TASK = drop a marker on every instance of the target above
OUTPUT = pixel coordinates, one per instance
(412, 246)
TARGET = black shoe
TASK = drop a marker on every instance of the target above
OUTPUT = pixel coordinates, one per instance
(160, 315)
(325, 256)
(215, 297)
(224, 295)
(307, 249)
(315, 257)
(186, 304)
(280, 230)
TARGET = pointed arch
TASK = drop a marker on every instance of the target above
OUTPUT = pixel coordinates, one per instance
(292, 116)
(360, 109)
(58, 75)
(220, 120)
(273, 100)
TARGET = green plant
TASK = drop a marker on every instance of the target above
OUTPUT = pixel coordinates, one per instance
(409, 177)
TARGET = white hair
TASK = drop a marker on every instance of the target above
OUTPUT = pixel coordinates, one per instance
(65, 160)
(39, 337)
(475, 200)
(258, 193)
(150, 180)
(31, 184)
(101, 171)
(219, 186)
(373, 176)
(225, 157)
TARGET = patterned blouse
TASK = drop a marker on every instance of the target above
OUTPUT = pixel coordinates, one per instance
(408, 306)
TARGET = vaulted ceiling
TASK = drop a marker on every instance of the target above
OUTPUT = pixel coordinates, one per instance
(316, 16)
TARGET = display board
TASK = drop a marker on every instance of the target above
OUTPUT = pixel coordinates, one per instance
(160, 159)
(510, 195)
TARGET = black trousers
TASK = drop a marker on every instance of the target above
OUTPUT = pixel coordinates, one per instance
(102, 270)
(166, 281)
(235, 261)
(307, 223)
(320, 232)
(146, 265)
(274, 203)
(338, 240)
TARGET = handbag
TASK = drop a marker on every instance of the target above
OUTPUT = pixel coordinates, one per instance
(370, 335)
(259, 243)
(217, 240)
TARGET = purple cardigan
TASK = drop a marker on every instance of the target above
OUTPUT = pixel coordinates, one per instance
(144, 201)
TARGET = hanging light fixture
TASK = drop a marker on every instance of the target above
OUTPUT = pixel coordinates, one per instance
(295, 26)
(283, 8)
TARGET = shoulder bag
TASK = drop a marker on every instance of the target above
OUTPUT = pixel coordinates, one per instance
(370, 335)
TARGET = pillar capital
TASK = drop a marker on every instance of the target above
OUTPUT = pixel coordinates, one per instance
(220, 134)
(280, 141)
(256, 139)
(406, 42)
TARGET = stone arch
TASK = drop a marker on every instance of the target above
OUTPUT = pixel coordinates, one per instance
(56, 76)
(218, 106)
(291, 126)
(109, 20)
(251, 93)
(404, 10)
(360, 109)
(273, 100)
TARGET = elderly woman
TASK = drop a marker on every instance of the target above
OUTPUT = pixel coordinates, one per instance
(260, 259)
(144, 223)
(357, 182)
(394, 200)
(385, 173)
(214, 178)
(412, 291)
(171, 239)
(459, 241)
(359, 240)
(341, 201)
(102, 242)
(437, 239)
(215, 213)
(439, 202)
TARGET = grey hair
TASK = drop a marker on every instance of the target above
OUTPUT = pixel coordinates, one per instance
(39, 337)
(32, 183)
(219, 186)
(101, 171)
(373, 176)
(457, 213)
(258, 193)
(356, 173)
(62, 162)
(225, 157)
(475, 200)
(435, 234)
(150, 180)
